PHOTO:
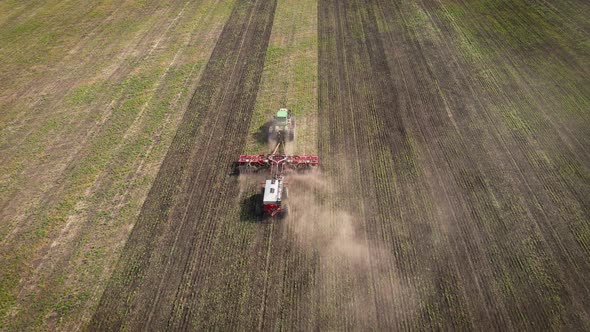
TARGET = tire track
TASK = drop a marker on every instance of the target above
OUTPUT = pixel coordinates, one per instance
(541, 218)
(361, 105)
(202, 167)
(510, 261)
(263, 18)
(226, 91)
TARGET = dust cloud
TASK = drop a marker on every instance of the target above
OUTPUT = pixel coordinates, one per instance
(317, 222)
(358, 273)
(362, 267)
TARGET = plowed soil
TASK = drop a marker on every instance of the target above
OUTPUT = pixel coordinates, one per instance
(184, 211)
(459, 206)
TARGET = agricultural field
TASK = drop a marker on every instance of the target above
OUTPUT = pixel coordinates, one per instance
(453, 192)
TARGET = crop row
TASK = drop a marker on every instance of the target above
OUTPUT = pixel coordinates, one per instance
(92, 162)
(174, 243)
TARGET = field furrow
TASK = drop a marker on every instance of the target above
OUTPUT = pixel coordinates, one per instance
(199, 158)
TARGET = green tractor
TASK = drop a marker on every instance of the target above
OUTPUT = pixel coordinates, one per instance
(282, 128)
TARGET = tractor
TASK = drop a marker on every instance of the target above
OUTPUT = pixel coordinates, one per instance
(274, 191)
(282, 127)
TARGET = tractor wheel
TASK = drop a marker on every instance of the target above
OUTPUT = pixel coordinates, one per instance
(258, 210)
(285, 193)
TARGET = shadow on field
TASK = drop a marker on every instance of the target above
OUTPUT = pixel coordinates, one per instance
(262, 135)
(250, 208)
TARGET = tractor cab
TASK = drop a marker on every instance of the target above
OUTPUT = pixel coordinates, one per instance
(282, 117)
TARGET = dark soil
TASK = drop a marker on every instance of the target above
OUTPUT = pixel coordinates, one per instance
(165, 251)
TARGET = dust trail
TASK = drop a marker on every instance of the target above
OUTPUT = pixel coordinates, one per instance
(316, 223)
(358, 275)
(362, 268)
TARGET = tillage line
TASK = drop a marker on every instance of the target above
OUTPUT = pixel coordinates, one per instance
(227, 89)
